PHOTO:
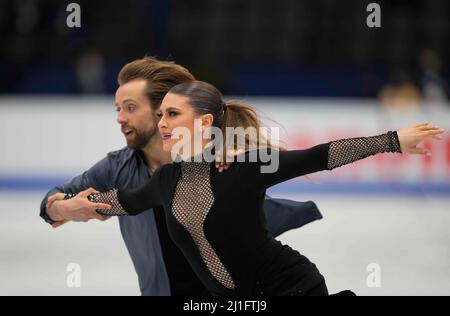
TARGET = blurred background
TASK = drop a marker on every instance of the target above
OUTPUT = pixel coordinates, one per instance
(313, 67)
(291, 48)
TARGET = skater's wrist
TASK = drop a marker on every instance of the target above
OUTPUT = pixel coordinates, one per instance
(53, 211)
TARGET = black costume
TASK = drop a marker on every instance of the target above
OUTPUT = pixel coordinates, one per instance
(217, 219)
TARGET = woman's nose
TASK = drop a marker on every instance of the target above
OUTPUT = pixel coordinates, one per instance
(162, 123)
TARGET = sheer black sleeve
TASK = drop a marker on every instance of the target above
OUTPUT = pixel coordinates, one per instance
(345, 151)
(328, 156)
(131, 201)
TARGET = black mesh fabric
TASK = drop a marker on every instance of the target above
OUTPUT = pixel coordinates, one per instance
(348, 150)
(110, 198)
(191, 204)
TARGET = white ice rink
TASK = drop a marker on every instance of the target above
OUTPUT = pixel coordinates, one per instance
(407, 236)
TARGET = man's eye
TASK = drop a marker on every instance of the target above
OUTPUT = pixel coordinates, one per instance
(117, 110)
(131, 108)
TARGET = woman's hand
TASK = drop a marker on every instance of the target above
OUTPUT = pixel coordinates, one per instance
(412, 136)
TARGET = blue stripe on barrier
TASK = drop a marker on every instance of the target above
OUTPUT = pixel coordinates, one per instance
(378, 188)
(30, 184)
(290, 187)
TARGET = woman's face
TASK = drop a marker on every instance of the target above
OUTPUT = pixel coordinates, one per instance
(179, 125)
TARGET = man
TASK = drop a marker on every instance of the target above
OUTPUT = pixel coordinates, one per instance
(161, 267)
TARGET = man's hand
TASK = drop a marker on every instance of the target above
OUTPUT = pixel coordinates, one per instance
(412, 136)
(77, 209)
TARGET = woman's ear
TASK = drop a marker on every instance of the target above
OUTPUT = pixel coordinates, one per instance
(207, 121)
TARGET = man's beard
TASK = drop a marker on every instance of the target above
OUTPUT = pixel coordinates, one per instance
(141, 138)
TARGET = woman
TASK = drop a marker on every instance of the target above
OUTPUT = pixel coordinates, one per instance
(216, 219)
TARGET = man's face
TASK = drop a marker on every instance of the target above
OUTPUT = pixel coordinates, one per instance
(134, 114)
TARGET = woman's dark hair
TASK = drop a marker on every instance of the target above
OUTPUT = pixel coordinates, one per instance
(207, 99)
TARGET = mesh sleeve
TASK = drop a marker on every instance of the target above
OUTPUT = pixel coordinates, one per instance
(109, 197)
(345, 151)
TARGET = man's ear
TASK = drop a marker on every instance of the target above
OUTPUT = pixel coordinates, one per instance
(207, 121)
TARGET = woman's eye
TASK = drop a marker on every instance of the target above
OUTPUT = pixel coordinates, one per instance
(159, 114)
(171, 113)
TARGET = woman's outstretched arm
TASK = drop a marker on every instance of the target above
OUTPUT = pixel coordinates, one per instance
(328, 156)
